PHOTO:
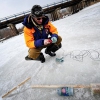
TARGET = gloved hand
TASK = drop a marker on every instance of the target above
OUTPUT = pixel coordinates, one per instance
(54, 39)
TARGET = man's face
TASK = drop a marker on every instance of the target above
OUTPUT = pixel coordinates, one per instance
(38, 20)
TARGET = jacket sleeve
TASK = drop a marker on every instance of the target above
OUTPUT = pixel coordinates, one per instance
(53, 30)
(28, 36)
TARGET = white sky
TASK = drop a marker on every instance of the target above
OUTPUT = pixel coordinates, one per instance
(80, 34)
(10, 7)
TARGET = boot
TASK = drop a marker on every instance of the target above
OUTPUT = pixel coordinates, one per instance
(50, 50)
(40, 58)
(50, 53)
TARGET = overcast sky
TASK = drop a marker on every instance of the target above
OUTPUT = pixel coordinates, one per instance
(10, 7)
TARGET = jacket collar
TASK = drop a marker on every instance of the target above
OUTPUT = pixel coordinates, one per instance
(29, 24)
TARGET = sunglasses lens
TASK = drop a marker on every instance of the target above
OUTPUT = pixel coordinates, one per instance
(39, 18)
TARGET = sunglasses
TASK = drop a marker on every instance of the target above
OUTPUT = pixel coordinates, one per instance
(39, 18)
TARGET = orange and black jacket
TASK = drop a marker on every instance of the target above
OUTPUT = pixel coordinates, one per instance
(34, 38)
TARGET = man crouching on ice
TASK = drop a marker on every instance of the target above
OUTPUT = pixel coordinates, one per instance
(39, 33)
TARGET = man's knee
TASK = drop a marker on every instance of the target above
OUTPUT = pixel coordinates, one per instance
(59, 40)
(53, 47)
(34, 53)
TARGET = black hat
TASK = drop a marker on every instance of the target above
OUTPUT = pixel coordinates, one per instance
(37, 11)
